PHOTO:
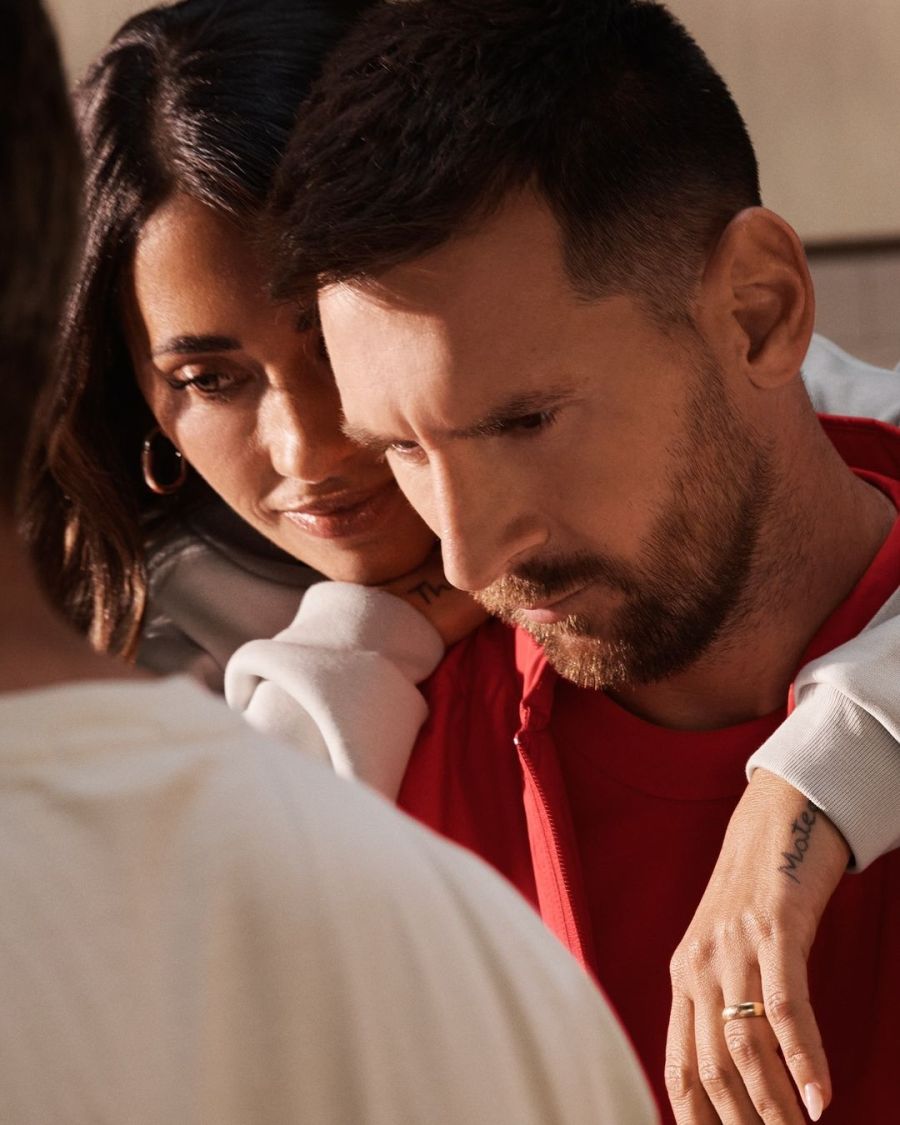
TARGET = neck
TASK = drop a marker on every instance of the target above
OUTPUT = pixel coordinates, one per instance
(37, 649)
(823, 529)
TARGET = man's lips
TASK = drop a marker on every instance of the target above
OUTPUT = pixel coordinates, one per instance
(551, 611)
(346, 514)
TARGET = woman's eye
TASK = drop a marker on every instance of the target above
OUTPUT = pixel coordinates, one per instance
(206, 384)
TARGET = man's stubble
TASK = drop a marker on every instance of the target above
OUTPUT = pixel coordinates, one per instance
(690, 582)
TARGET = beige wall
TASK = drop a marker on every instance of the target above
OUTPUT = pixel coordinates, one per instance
(818, 80)
(819, 84)
(85, 25)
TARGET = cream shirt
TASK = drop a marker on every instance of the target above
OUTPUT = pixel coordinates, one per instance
(202, 926)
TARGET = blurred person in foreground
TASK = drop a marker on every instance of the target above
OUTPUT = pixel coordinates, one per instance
(200, 925)
(553, 300)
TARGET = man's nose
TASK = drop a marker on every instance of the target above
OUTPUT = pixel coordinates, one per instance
(486, 521)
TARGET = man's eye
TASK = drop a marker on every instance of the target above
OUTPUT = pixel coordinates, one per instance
(530, 422)
(540, 420)
(407, 450)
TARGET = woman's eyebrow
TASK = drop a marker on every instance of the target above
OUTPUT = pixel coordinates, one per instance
(188, 345)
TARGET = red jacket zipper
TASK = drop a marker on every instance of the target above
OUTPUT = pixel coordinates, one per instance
(564, 921)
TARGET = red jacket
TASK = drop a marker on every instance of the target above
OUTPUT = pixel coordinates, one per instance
(488, 773)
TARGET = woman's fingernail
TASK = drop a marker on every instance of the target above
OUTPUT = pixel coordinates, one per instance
(812, 1095)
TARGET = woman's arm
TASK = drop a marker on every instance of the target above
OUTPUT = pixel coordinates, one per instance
(786, 848)
(750, 939)
(841, 745)
(341, 680)
(454, 613)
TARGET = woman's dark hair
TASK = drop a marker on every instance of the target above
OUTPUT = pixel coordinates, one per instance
(198, 97)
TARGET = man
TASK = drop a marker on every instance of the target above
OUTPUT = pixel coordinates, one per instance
(199, 925)
(553, 300)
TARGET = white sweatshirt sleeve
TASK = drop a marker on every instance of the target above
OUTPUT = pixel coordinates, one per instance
(841, 745)
(340, 681)
(838, 383)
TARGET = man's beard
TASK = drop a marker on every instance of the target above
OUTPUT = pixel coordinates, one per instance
(690, 578)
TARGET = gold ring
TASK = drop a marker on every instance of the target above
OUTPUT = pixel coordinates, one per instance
(743, 1011)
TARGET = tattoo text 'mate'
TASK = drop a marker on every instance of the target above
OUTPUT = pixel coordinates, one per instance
(801, 830)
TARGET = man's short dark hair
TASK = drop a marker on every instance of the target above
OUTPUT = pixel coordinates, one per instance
(39, 167)
(431, 112)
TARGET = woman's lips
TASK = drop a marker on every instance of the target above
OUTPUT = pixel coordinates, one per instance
(345, 517)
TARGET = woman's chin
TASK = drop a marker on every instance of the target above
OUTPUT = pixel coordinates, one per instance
(369, 569)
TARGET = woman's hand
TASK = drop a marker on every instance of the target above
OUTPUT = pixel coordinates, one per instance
(452, 612)
(749, 940)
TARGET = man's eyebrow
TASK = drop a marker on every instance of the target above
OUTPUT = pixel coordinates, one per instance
(195, 345)
(365, 438)
(492, 424)
(519, 406)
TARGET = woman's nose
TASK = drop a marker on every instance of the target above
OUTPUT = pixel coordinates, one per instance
(305, 441)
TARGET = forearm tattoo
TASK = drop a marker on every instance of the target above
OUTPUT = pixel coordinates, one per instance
(801, 830)
(428, 592)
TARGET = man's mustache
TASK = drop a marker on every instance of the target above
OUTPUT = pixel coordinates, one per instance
(545, 580)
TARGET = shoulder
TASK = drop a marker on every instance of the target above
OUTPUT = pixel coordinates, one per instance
(209, 596)
(483, 662)
(324, 930)
(865, 444)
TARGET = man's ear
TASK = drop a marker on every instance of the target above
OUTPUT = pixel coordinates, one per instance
(757, 297)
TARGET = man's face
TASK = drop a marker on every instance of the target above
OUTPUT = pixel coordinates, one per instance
(584, 469)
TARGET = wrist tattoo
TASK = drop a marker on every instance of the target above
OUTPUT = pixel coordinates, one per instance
(801, 830)
(428, 592)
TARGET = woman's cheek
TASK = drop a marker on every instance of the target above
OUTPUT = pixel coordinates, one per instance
(220, 446)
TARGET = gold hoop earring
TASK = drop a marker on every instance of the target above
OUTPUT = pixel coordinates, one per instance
(150, 478)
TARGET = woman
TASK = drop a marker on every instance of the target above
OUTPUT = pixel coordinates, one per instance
(173, 355)
(167, 146)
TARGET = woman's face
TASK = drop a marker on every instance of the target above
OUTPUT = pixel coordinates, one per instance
(248, 397)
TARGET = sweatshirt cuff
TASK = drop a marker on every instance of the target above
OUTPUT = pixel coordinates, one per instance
(339, 682)
(843, 760)
(343, 616)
